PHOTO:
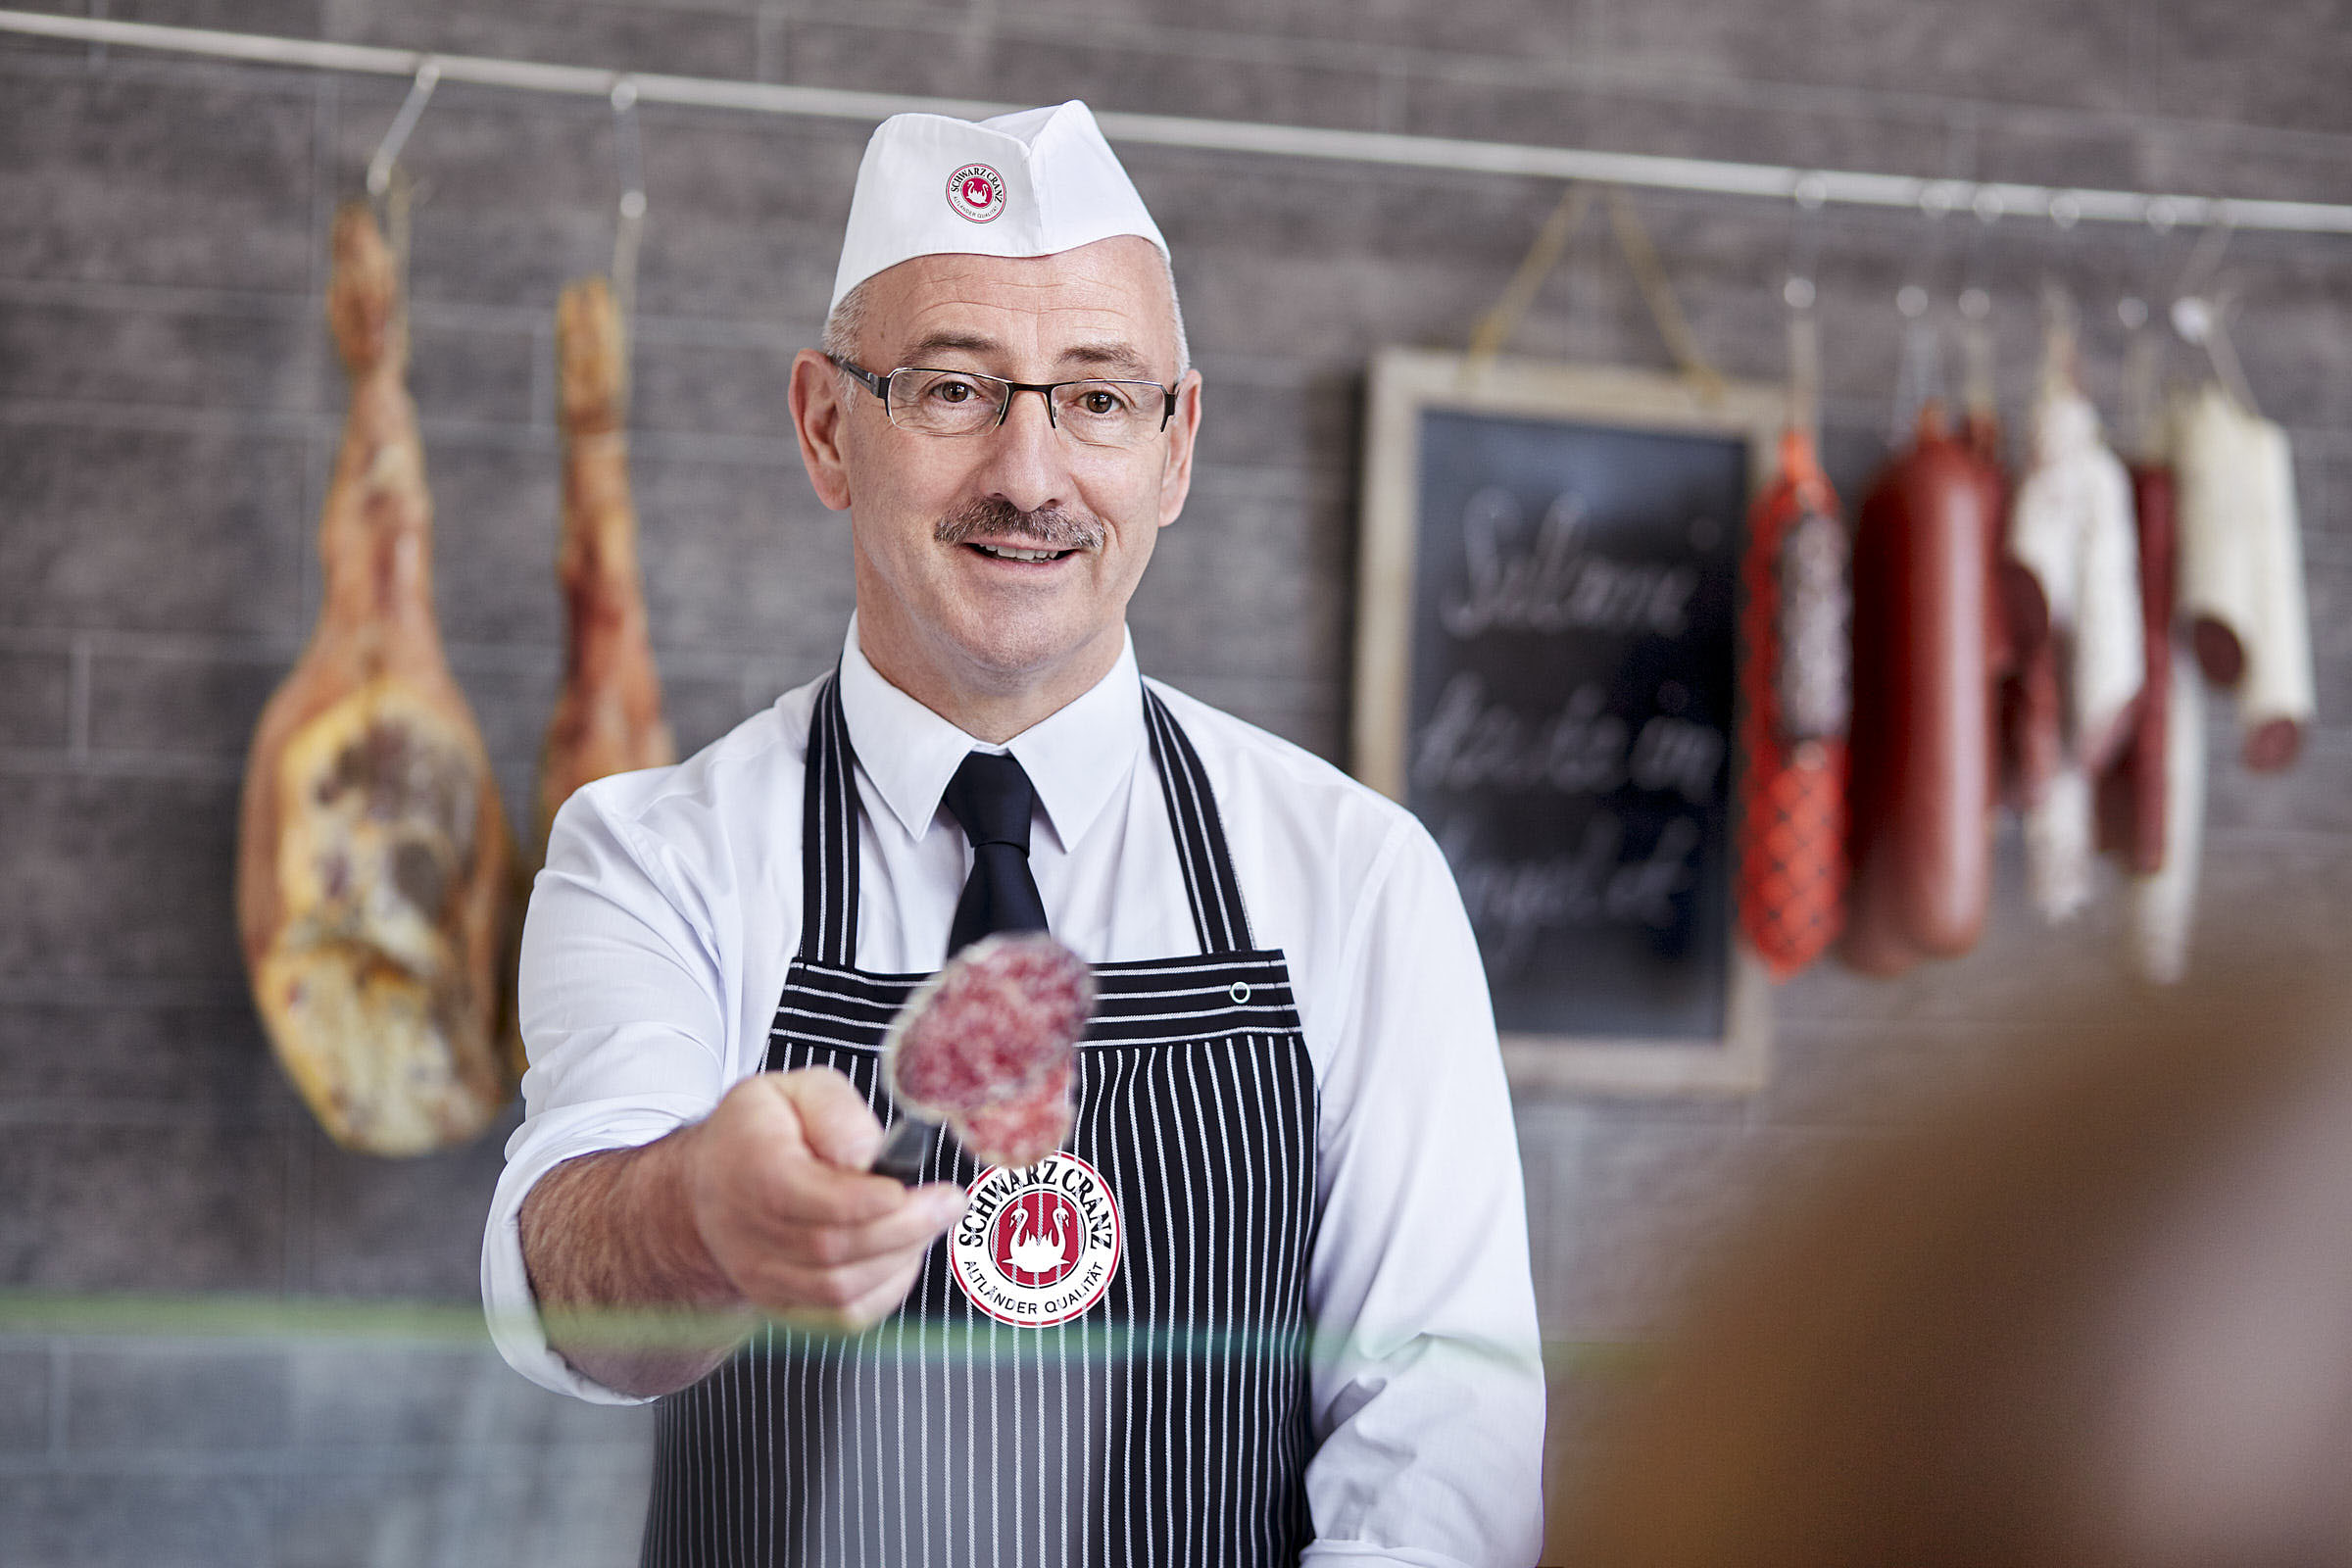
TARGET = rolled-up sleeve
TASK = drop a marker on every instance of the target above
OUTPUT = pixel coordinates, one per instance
(1427, 1380)
(624, 1010)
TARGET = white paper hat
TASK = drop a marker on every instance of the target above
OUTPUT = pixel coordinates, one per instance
(1022, 184)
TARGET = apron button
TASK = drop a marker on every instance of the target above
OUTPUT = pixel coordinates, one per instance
(1240, 991)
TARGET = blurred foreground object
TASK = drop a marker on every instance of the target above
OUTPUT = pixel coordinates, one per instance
(2100, 1315)
(374, 870)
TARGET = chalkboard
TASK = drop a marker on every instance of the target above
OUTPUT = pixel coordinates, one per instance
(1545, 677)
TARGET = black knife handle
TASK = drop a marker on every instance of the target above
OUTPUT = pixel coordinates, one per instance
(905, 1147)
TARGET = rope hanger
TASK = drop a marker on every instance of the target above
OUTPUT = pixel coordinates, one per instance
(1494, 329)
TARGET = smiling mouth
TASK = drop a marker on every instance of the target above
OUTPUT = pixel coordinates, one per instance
(1012, 553)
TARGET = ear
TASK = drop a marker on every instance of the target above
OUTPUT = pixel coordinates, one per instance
(820, 414)
(1176, 476)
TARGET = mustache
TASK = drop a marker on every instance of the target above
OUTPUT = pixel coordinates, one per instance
(1056, 526)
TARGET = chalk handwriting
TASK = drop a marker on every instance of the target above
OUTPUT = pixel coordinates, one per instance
(1673, 754)
(1512, 903)
(1554, 583)
(1470, 742)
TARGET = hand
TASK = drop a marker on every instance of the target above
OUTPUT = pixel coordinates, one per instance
(778, 1185)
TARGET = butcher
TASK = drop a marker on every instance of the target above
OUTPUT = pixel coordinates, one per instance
(1269, 1300)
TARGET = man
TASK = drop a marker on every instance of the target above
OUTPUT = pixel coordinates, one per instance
(1270, 1301)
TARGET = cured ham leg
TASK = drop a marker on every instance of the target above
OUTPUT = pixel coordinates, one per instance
(374, 868)
(607, 717)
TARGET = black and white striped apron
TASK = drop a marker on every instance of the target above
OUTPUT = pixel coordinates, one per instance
(1166, 1424)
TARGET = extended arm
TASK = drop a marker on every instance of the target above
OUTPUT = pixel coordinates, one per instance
(662, 1195)
(649, 1265)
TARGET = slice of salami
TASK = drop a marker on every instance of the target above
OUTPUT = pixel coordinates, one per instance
(988, 1046)
(1020, 1132)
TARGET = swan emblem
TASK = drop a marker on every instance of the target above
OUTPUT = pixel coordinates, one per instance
(1031, 1250)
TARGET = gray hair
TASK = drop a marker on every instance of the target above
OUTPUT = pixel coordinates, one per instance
(846, 325)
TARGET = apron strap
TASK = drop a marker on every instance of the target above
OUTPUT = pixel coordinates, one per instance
(1218, 918)
(829, 836)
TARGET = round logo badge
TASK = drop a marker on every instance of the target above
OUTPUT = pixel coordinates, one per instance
(1036, 1245)
(977, 192)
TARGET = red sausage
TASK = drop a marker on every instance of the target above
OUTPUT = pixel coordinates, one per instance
(1923, 732)
(1795, 703)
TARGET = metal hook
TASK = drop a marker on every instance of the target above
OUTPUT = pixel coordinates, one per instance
(628, 151)
(1804, 240)
(411, 108)
(2197, 272)
(2198, 319)
(2160, 213)
(2223, 355)
(1797, 293)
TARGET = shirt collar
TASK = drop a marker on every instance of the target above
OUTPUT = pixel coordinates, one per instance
(1075, 757)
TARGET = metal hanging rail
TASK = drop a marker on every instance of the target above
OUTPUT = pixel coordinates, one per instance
(1811, 186)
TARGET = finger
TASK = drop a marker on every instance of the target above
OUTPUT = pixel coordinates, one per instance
(928, 1211)
(804, 1191)
(835, 1119)
(884, 1299)
(789, 1151)
(830, 1296)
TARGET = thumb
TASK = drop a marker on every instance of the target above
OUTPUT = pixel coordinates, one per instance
(836, 1122)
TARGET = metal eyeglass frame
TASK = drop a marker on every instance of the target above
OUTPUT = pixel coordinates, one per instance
(879, 385)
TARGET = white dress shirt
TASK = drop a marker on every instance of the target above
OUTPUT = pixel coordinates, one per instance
(669, 910)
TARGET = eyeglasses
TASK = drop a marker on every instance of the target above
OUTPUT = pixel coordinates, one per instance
(1101, 413)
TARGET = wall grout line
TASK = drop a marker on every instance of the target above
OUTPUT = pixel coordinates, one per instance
(78, 699)
(539, 412)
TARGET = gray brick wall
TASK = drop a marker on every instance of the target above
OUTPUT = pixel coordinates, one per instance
(169, 404)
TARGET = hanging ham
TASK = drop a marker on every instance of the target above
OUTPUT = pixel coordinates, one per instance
(374, 870)
(1922, 763)
(1796, 697)
(607, 716)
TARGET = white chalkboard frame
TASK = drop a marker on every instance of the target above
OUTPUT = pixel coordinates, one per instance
(1404, 383)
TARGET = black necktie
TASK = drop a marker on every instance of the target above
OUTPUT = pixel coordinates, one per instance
(991, 797)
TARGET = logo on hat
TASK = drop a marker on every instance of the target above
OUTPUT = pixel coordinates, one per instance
(1038, 1244)
(976, 192)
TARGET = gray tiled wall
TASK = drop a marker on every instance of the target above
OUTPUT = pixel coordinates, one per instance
(169, 404)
